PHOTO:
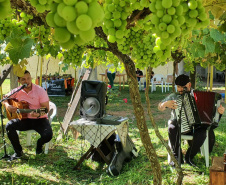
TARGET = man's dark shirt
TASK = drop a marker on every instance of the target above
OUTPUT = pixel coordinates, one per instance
(140, 73)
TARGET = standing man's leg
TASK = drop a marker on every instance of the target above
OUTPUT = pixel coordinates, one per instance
(109, 75)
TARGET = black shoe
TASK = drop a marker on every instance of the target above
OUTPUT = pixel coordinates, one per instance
(15, 156)
(39, 151)
(190, 162)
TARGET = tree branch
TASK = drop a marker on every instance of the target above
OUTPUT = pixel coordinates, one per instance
(25, 6)
(97, 48)
(136, 15)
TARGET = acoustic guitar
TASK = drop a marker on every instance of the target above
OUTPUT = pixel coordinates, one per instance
(23, 110)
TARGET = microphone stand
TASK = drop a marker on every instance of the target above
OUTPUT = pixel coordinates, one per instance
(2, 117)
(179, 130)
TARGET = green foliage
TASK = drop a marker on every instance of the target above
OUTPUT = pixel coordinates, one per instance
(207, 46)
(19, 49)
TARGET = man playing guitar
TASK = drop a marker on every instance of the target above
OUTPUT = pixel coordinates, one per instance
(36, 97)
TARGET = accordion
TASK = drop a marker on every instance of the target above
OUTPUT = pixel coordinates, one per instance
(200, 109)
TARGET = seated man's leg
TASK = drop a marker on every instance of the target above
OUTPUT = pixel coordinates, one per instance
(211, 139)
(174, 138)
(199, 137)
(43, 127)
(11, 129)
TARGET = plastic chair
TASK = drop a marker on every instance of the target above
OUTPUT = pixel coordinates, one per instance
(51, 114)
(169, 81)
(157, 79)
(204, 148)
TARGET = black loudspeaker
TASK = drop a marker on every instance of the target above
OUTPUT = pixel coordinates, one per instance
(92, 101)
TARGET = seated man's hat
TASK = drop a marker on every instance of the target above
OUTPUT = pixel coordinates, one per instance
(182, 80)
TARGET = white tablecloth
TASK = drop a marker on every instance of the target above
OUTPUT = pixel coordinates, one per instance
(96, 133)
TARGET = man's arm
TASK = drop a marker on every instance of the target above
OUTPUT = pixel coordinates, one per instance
(167, 104)
(45, 104)
(221, 109)
(9, 107)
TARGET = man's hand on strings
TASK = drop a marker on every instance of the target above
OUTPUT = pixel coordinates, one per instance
(221, 109)
(11, 108)
(34, 114)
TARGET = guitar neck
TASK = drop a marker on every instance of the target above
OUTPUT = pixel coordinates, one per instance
(42, 110)
(28, 110)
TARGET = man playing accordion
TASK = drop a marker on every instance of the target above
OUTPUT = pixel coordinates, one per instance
(197, 130)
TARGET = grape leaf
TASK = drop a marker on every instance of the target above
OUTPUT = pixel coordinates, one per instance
(209, 44)
(216, 35)
(211, 16)
(19, 49)
(195, 32)
(218, 48)
(223, 16)
(197, 50)
(205, 31)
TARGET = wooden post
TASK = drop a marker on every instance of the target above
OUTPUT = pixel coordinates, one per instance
(211, 78)
(225, 90)
(40, 83)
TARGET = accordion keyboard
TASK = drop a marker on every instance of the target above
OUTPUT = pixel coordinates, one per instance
(188, 113)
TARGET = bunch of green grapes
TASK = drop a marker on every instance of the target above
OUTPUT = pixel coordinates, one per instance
(6, 27)
(130, 40)
(173, 18)
(5, 9)
(26, 17)
(116, 13)
(99, 42)
(195, 16)
(74, 21)
(74, 55)
(151, 51)
(18, 69)
(41, 5)
(40, 33)
(112, 58)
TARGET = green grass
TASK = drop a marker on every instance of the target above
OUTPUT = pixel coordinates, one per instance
(57, 166)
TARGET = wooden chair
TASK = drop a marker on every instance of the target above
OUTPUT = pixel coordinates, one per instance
(51, 115)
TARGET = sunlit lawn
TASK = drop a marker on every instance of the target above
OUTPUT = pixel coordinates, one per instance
(57, 166)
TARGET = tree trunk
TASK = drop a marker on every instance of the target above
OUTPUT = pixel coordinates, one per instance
(178, 168)
(192, 77)
(174, 74)
(138, 109)
(13, 80)
(141, 122)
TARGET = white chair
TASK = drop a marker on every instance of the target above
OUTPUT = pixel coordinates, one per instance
(204, 148)
(169, 81)
(51, 115)
(141, 82)
(157, 79)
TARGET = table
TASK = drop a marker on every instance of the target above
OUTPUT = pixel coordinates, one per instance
(116, 75)
(96, 133)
